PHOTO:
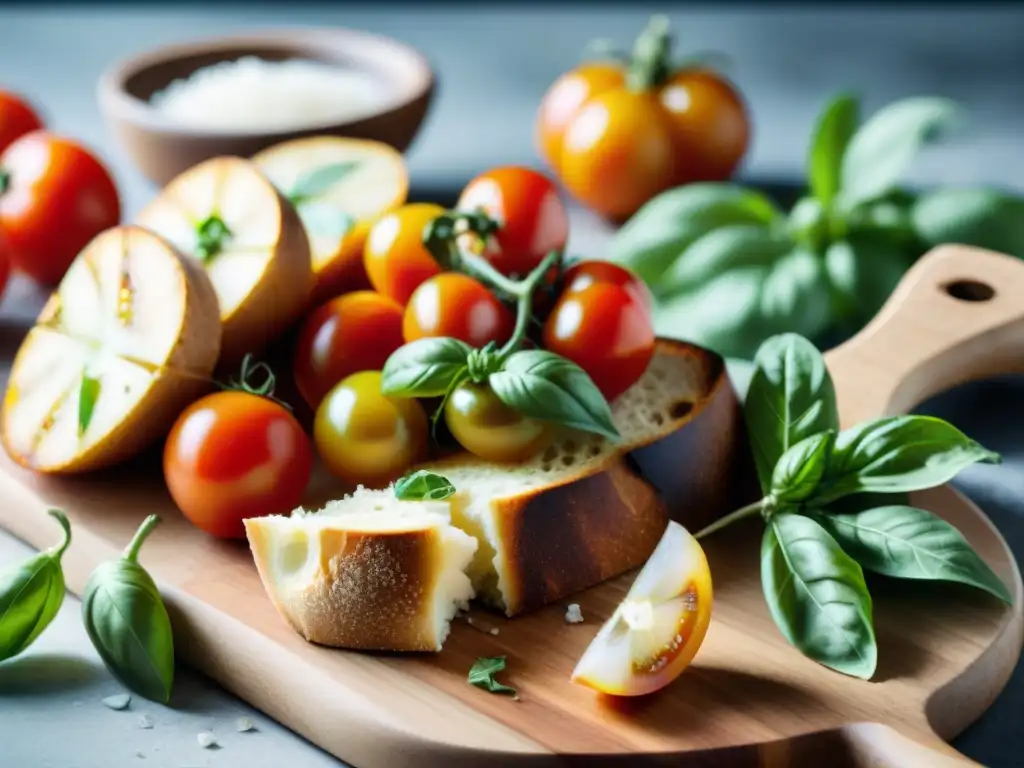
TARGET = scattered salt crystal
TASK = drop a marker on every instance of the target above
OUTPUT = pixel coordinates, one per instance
(244, 724)
(145, 722)
(573, 615)
(206, 739)
(118, 701)
(493, 631)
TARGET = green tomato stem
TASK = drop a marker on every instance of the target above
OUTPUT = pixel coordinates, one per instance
(131, 552)
(748, 511)
(651, 63)
(524, 304)
(61, 518)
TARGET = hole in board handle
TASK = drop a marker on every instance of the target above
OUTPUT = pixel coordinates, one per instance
(970, 290)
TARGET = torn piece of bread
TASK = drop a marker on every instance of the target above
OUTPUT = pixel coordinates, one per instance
(368, 572)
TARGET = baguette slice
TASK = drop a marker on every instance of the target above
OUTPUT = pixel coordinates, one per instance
(367, 572)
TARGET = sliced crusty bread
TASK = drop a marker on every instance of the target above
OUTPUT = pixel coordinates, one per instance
(367, 572)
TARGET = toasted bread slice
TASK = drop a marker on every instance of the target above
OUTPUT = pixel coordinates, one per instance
(368, 572)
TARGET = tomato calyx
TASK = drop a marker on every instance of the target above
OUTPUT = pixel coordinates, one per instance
(212, 235)
(246, 383)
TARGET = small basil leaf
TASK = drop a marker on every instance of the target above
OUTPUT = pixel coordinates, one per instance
(862, 271)
(898, 454)
(817, 596)
(325, 220)
(985, 218)
(31, 595)
(790, 397)
(128, 624)
(546, 386)
(319, 180)
(423, 485)
(482, 673)
(723, 249)
(910, 543)
(798, 472)
(885, 145)
(88, 393)
(667, 224)
(425, 367)
(835, 128)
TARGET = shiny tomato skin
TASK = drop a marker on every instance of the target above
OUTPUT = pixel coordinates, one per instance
(395, 258)
(357, 331)
(458, 306)
(583, 274)
(532, 216)
(365, 437)
(488, 428)
(59, 197)
(17, 117)
(233, 455)
(605, 330)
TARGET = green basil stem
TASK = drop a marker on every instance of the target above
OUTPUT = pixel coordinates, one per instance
(758, 507)
(58, 551)
(131, 552)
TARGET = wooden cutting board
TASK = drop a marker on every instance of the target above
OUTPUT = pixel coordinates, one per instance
(749, 698)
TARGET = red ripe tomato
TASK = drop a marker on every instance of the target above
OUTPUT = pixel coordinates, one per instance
(5, 263)
(458, 306)
(584, 274)
(532, 217)
(16, 119)
(604, 326)
(55, 197)
(355, 332)
(233, 455)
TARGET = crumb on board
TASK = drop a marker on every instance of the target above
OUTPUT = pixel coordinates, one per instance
(573, 615)
(244, 724)
(206, 739)
(493, 631)
(145, 722)
(117, 701)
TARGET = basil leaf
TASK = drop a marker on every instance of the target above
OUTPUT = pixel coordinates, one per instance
(817, 596)
(835, 128)
(985, 218)
(546, 386)
(425, 367)
(31, 595)
(319, 180)
(882, 150)
(798, 472)
(723, 249)
(664, 227)
(423, 485)
(790, 397)
(898, 454)
(909, 543)
(325, 219)
(88, 393)
(482, 673)
(128, 624)
(862, 271)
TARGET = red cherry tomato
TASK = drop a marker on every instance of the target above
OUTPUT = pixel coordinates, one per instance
(16, 118)
(604, 327)
(585, 273)
(5, 263)
(527, 206)
(355, 332)
(55, 197)
(233, 455)
(456, 305)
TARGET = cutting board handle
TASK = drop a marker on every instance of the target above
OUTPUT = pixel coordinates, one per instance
(956, 316)
(879, 746)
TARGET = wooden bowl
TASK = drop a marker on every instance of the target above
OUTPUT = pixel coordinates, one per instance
(161, 148)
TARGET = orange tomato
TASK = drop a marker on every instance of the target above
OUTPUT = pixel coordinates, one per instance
(233, 455)
(16, 118)
(395, 258)
(457, 306)
(354, 332)
(55, 197)
(617, 135)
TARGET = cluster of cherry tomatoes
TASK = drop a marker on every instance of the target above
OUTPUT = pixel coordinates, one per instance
(594, 313)
(55, 196)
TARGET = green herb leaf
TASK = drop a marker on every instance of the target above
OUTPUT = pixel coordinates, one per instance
(669, 223)
(546, 386)
(211, 235)
(721, 250)
(863, 271)
(910, 543)
(796, 476)
(790, 397)
(320, 180)
(128, 624)
(884, 147)
(31, 595)
(835, 128)
(88, 393)
(425, 368)
(817, 596)
(423, 485)
(482, 673)
(323, 219)
(898, 454)
(985, 218)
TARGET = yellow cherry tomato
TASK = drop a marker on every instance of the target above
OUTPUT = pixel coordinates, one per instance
(487, 427)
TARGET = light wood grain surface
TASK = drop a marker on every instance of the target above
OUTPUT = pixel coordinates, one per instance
(749, 698)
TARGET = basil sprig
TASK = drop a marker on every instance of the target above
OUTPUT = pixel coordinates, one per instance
(482, 673)
(832, 508)
(729, 269)
(128, 624)
(31, 595)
